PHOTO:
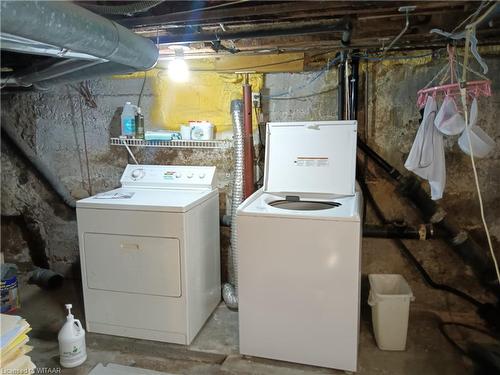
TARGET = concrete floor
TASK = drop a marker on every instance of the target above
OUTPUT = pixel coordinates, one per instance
(215, 350)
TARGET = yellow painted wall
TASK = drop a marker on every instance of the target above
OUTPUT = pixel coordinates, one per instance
(207, 96)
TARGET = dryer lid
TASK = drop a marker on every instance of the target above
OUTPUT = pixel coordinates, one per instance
(311, 158)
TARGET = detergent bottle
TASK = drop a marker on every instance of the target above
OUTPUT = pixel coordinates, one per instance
(128, 120)
(71, 338)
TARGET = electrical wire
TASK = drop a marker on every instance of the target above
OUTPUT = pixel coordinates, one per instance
(367, 57)
(84, 90)
(75, 134)
(478, 188)
(308, 83)
(142, 90)
(393, 58)
(129, 151)
(463, 92)
(303, 96)
(361, 56)
(257, 66)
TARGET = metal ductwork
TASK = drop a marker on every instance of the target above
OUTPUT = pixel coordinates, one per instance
(66, 30)
(230, 290)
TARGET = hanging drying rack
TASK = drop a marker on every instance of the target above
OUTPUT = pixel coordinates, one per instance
(474, 89)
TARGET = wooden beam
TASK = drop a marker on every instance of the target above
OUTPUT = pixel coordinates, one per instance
(293, 10)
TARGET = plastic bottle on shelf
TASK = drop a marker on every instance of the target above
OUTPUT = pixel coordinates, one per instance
(139, 124)
(71, 339)
(128, 120)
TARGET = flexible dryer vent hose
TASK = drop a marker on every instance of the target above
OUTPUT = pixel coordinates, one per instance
(230, 290)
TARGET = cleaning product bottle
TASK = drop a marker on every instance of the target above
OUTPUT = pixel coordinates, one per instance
(139, 124)
(71, 338)
(128, 120)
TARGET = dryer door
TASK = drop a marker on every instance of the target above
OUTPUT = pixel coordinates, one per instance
(133, 264)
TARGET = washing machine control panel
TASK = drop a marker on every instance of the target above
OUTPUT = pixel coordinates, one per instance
(169, 176)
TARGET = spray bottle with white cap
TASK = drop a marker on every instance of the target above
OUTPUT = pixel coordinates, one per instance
(71, 338)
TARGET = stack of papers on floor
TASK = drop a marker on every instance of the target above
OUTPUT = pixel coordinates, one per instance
(13, 358)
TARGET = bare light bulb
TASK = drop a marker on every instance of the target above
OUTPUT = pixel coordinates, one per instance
(178, 70)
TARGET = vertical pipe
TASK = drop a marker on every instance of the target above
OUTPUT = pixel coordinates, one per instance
(354, 78)
(347, 102)
(248, 139)
(341, 88)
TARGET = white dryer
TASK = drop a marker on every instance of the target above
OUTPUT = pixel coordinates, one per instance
(150, 253)
(299, 248)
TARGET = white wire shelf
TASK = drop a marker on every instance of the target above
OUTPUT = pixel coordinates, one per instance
(213, 144)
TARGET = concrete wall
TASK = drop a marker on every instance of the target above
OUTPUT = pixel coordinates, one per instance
(51, 123)
(393, 120)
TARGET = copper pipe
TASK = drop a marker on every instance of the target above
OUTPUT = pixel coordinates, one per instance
(248, 139)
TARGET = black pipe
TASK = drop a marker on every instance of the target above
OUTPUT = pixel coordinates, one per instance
(460, 241)
(393, 172)
(343, 26)
(421, 232)
(407, 253)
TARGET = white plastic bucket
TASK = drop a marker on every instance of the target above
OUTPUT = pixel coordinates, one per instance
(390, 297)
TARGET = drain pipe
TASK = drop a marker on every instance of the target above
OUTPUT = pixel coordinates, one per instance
(230, 290)
(248, 139)
(421, 232)
(353, 86)
(459, 240)
(341, 87)
(46, 173)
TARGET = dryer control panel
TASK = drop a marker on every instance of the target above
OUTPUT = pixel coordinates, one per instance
(168, 176)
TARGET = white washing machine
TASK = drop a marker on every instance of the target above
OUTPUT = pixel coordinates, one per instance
(299, 243)
(150, 253)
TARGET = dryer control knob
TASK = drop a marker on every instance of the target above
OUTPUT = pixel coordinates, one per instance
(137, 174)
(201, 175)
(178, 175)
(189, 175)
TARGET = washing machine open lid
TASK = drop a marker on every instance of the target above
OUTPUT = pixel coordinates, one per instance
(311, 159)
